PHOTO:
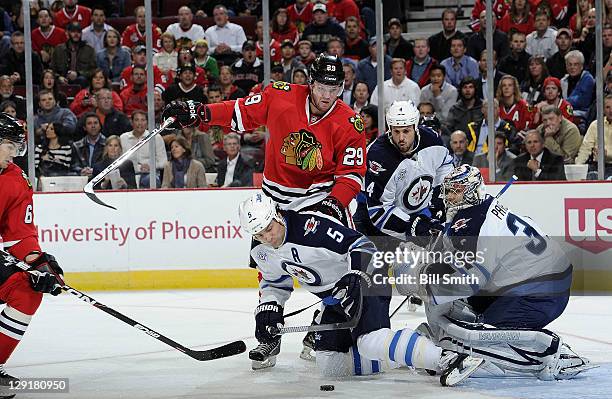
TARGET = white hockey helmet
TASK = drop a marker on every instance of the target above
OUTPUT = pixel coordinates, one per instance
(257, 212)
(403, 113)
(468, 180)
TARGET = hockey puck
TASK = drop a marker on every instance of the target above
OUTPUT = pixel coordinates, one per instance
(327, 388)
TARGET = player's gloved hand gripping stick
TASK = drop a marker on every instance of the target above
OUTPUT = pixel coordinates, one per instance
(233, 348)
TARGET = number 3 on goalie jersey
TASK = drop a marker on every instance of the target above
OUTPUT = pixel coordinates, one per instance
(538, 245)
(353, 156)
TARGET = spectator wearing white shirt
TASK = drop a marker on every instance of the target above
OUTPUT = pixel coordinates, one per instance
(233, 171)
(399, 87)
(140, 158)
(225, 39)
(542, 40)
(440, 93)
(185, 28)
(94, 34)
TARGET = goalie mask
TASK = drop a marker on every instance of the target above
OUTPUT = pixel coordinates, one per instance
(462, 188)
(257, 212)
(403, 114)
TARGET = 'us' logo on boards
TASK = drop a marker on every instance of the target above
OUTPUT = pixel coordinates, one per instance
(588, 223)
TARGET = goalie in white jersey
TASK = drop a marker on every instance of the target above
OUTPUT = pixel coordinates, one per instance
(333, 262)
(501, 282)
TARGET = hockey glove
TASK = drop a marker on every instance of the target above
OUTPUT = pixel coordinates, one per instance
(187, 113)
(330, 206)
(268, 316)
(348, 291)
(422, 226)
(46, 275)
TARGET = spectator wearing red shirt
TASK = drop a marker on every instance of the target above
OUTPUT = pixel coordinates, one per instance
(500, 9)
(512, 107)
(282, 28)
(300, 13)
(134, 34)
(134, 96)
(185, 56)
(275, 45)
(552, 96)
(73, 12)
(354, 46)
(519, 18)
(342, 9)
(47, 36)
(139, 57)
(84, 100)
(229, 91)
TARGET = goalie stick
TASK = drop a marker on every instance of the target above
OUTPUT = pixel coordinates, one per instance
(89, 187)
(233, 348)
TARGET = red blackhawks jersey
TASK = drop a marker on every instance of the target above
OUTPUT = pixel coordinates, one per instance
(306, 159)
(132, 37)
(160, 80)
(46, 41)
(520, 114)
(17, 229)
(81, 14)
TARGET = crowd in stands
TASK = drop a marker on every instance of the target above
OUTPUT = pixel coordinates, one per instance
(90, 73)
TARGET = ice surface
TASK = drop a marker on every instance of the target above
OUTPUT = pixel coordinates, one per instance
(105, 358)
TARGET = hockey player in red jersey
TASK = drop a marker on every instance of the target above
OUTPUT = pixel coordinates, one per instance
(21, 291)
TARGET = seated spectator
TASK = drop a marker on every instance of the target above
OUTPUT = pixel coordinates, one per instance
(500, 8)
(360, 96)
(139, 58)
(459, 65)
(512, 107)
(538, 163)
(95, 34)
(300, 77)
(439, 92)
(289, 61)
(321, 29)
(158, 105)
(186, 88)
(429, 118)
(561, 136)
(482, 69)
(516, 62)
(248, 71)
(186, 57)
(355, 47)
(576, 22)
(398, 88)
(275, 47)
(253, 148)
(50, 82)
(477, 43)
(73, 12)
(113, 59)
(467, 109)
(134, 96)
(70, 70)
(7, 93)
(229, 90)
(233, 171)
(225, 39)
(114, 121)
(50, 112)
(335, 47)
(369, 113)
(85, 101)
(9, 107)
(126, 178)
(185, 28)
(552, 96)
(13, 63)
(585, 41)
(606, 35)
(418, 67)
(349, 84)
(504, 159)
(201, 147)
(53, 156)
(300, 13)
(340, 10)
(166, 58)
(305, 53)
(141, 158)
(531, 89)
(366, 68)
(588, 152)
(459, 152)
(182, 171)
(397, 46)
(477, 134)
(578, 87)
(47, 36)
(205, 61)
(440, 43)
(135, 35)
(541, 42)
(215, 133)
(88, 150)
(519, 18)
(283, 28)
(556, 62)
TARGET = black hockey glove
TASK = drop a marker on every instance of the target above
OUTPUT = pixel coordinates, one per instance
(187, 113)
(348, 290)
(46, 275)
(332, 207)
(268, 316)
(422, 226)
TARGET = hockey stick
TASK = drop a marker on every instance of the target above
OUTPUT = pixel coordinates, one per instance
(233, 348)
(507, 186)
(89, 187)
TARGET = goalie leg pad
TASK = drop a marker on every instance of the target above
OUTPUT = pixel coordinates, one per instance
(338, 364)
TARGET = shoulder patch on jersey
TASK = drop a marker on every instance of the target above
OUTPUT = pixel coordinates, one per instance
(376, 168)
(417, 192)
(311, 226)
(280, 85)
(302, 149)
(460, 224)
(569, 109)
(262, 255)
(357, 122)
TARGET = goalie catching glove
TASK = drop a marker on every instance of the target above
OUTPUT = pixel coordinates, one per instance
(187, 113)
(268, 318)
(46, 275)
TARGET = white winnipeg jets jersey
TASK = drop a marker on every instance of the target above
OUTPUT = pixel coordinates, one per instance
(316, 251)
(398, 187)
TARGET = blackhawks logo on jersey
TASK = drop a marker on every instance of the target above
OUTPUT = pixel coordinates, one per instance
(357, 122)
(303, 150)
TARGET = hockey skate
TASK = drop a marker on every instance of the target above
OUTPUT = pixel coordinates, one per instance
(456, 367)
(5, 381)
(264, 355)
(567, 365)
(308, 350)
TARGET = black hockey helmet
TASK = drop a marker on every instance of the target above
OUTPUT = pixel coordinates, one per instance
(327, 69)
(12, 129)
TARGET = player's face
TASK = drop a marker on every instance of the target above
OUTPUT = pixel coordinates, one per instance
(551, 92)
(322, 97)
(8, 151)
(454, 195)
(403, 137)
(273, 235)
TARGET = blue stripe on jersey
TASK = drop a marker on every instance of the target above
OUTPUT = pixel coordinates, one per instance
(288, 289)
(410, 348)
(393, 344)
(278, 280)
(484, 272)
(373, 209)
(549, 287)
(375, 366)
(356, 360)
(383, 217)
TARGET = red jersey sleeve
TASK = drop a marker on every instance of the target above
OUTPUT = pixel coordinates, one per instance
(244, 114)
